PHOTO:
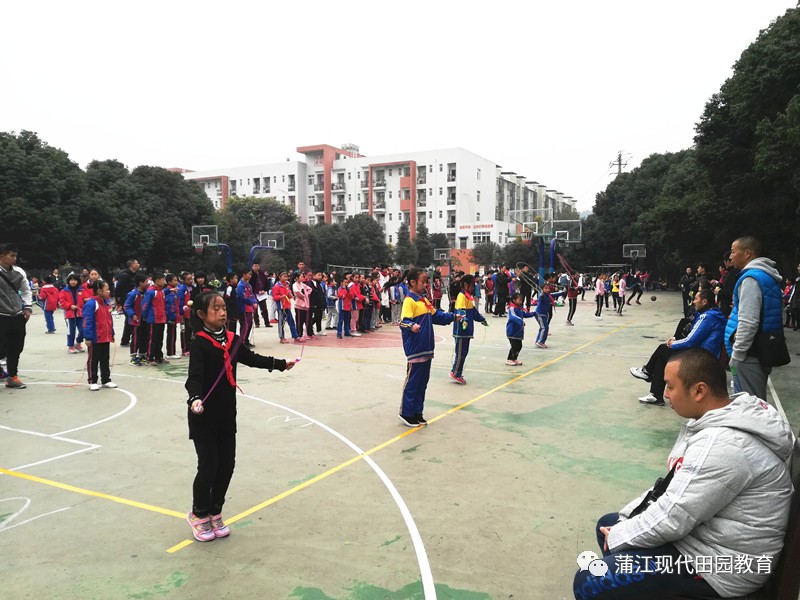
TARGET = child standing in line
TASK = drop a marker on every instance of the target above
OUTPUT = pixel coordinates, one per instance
(302, 292)
(232, 300)
(154, 314)
(282, 295)
(98, 328)
(344, 302)
(211, 384)
(599, 295)
(247, 304)
(464, 330)
(185, 290)
(71, 300)
(49, 296)
(396, 297)
(331, 300)
(515, 327)
(174, 303)
(133, 312)
(417, 319)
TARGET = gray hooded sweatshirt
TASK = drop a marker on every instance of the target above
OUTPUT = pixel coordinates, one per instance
(729, 496)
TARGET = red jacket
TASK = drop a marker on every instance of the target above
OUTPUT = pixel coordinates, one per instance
(66, 300)
(283, 294)
(98, 326)
(49, 296)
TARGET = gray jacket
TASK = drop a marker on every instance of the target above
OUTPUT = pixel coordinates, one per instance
(729, 497)
(17, 297)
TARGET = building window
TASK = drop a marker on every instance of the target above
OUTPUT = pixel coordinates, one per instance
(440, 191)
(349, 197)
(430, 168)
(441, 167)
(477, 216)
(390, 193)
(349, 175)
(479, 195)
(283, 178)
(274, 179)
(479, 174)
(310, 180)
(312, 220)
(481, 238)
(390, 239)
(399, 216)
(248, 181)
(240, 182)
(440, 214)
(311, 201)
(430, 214)
(390, 216)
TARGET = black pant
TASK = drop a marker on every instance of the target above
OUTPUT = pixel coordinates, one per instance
(316, 318)
(301, 319)
(500, 307)
(97, 358)
(516, 346)
(127, 330)
(143, 340)
(155, 346)
(573, 306)
(655, 368)
(172, 338)
(186, 336)
(599, 299)
(12, 341)
(262, 305)
(216, 458)
(526, 299)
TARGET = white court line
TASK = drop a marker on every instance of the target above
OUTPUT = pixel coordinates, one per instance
(59, 436)
(778, 404)
(4, 526)
(428, 586)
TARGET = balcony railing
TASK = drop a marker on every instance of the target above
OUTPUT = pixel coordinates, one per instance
(291, 187)
(420, 181)
(365, 184)
(451, 176)
(422, 203)
(319, 187)
(338, 208)
(339, 185)
(380, 206)
(451, 200)
(379, 183)
(364, 205)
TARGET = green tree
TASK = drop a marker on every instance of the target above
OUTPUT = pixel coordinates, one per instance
(519, 251)
(40, 188)
(746, 142)
(333, 244)
(487, 254)
(424, 247)
(175, 205)
(366, 239)
(405, 252)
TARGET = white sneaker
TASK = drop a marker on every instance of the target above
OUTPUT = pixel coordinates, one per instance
(174, 356)
(110, 385)
(94, 387)
(322, 333)
(355, 334)
(640, 374)
(650, 399)
(511, 363)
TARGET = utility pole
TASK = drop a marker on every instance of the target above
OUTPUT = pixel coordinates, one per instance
(619, 164)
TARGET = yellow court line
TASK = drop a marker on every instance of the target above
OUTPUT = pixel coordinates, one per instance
(85, 492)
(347, 463)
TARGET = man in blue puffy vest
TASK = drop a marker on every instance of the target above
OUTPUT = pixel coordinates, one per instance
(757, 306)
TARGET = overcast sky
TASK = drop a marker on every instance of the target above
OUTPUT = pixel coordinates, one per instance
(551, 90)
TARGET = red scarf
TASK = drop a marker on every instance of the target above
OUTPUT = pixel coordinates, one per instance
(225, 354)
(427, 304)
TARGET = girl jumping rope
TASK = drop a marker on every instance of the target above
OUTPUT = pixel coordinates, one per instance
(211, 383)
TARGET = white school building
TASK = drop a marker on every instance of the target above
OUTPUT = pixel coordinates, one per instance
(452, 191)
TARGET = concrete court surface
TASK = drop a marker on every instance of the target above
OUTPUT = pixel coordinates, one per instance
(332, 497)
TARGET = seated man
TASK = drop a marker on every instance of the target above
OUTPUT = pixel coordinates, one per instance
(708, 329)
(717, 526)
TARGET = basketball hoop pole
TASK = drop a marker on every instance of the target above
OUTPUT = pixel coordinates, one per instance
(229, 255)
(255, 250)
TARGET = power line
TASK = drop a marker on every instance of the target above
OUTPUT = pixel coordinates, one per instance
(619, 162)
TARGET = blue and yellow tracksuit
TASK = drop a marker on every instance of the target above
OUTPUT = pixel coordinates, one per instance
(464, 330)
(419, 348)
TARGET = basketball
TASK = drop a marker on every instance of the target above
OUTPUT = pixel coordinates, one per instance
(653, 298)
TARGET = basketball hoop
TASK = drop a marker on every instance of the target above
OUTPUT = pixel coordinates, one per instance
(198, 248)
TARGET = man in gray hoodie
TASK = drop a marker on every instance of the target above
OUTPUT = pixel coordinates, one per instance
(717, 526)
(15, 310)
(757, 306)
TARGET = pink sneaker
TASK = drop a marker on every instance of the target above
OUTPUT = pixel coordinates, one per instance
(201, 528)
(460, 380)
(79, 348)
(72, 350)
(218, 526)
(299, 340)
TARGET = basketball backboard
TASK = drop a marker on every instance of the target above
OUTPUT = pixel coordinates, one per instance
(204, 235)
(271, 239)
(441, 254)
(634, 251)
(569, 231)
(532, 222)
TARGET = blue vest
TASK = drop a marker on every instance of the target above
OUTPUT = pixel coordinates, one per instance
(771, 304)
